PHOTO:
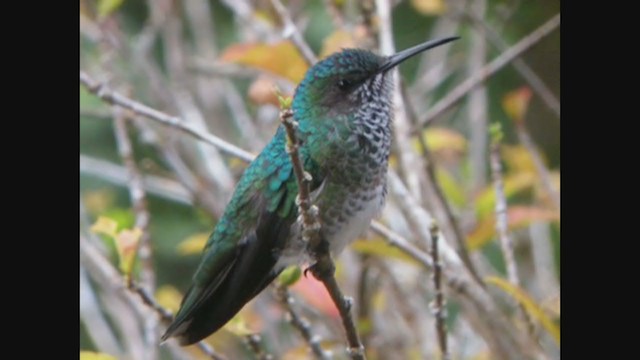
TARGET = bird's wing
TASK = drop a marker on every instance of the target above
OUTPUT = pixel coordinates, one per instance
(240, 257)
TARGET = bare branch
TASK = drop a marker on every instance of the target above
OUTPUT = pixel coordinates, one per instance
(101, 270)
(291, 32)
(324, 268)
(115, 98)
(139, 202)
(538, 86)
(502, 225)
(439, 304)
(479, 77)
(299, 323)
(254, 342)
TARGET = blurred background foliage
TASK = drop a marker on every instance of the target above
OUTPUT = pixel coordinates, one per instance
(152, 51)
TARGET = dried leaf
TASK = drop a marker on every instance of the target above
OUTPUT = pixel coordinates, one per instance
(90, 355)
(98, 201)
(378, 246)
(169, 298)
(513, 185)
(534, 310)
(517, 158)
(193, 245)
(281, 59)
(519, 217)
(337, 41)
(106, 226)
(263, 91)
(429, 7)
(453, 191)
(516, 102)
(443, 139)
(127, 247)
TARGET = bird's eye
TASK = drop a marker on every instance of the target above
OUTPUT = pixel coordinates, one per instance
(344, 84)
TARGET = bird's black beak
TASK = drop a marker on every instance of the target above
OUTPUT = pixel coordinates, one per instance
(403, 55)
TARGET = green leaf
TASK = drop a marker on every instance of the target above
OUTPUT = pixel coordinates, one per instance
(107, 7)
(290, 275)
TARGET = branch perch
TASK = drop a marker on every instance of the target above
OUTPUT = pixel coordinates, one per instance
(301, 324)
(324, 268)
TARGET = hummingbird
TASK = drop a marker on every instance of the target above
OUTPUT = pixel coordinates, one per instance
(344, 110)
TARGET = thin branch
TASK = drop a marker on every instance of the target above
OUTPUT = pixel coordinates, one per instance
(115, 98)
(299, 323)
(536, 83)
(101, 269)
(441, 206)
(291, 32)
(254, 342)
(502, 223)
(324, 267)
(479, 77)
(499, 334)
(114, 173)
(139, 202)
(439, 305)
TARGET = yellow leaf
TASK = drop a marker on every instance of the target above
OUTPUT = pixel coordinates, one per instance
(238, 326)
(106, 226)
(281, 59)
(516, 102)
(513, 184)
(379, 301)
(518, 217)
(534, 310)
(193, 244)
(127, 246)
(378, 246)
(107, 7)
(337, 41)
(169, 298)
(443, 139)
(452, 189)
(98, 201)
(517, 158)
(90, 355)
(429, 7)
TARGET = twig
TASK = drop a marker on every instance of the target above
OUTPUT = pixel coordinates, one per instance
(159, 186)
(324, 268)
(502, 222)
(441, 206)
(499, 334)
(254, 342)
(139, 203)
(101, 270)
(538, 86)
(291, 31)
(115, 98)
(439, 305)
(477, 78)
(476, 109)
(300, 324)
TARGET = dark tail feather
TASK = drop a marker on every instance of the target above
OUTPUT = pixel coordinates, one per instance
(223, 305)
